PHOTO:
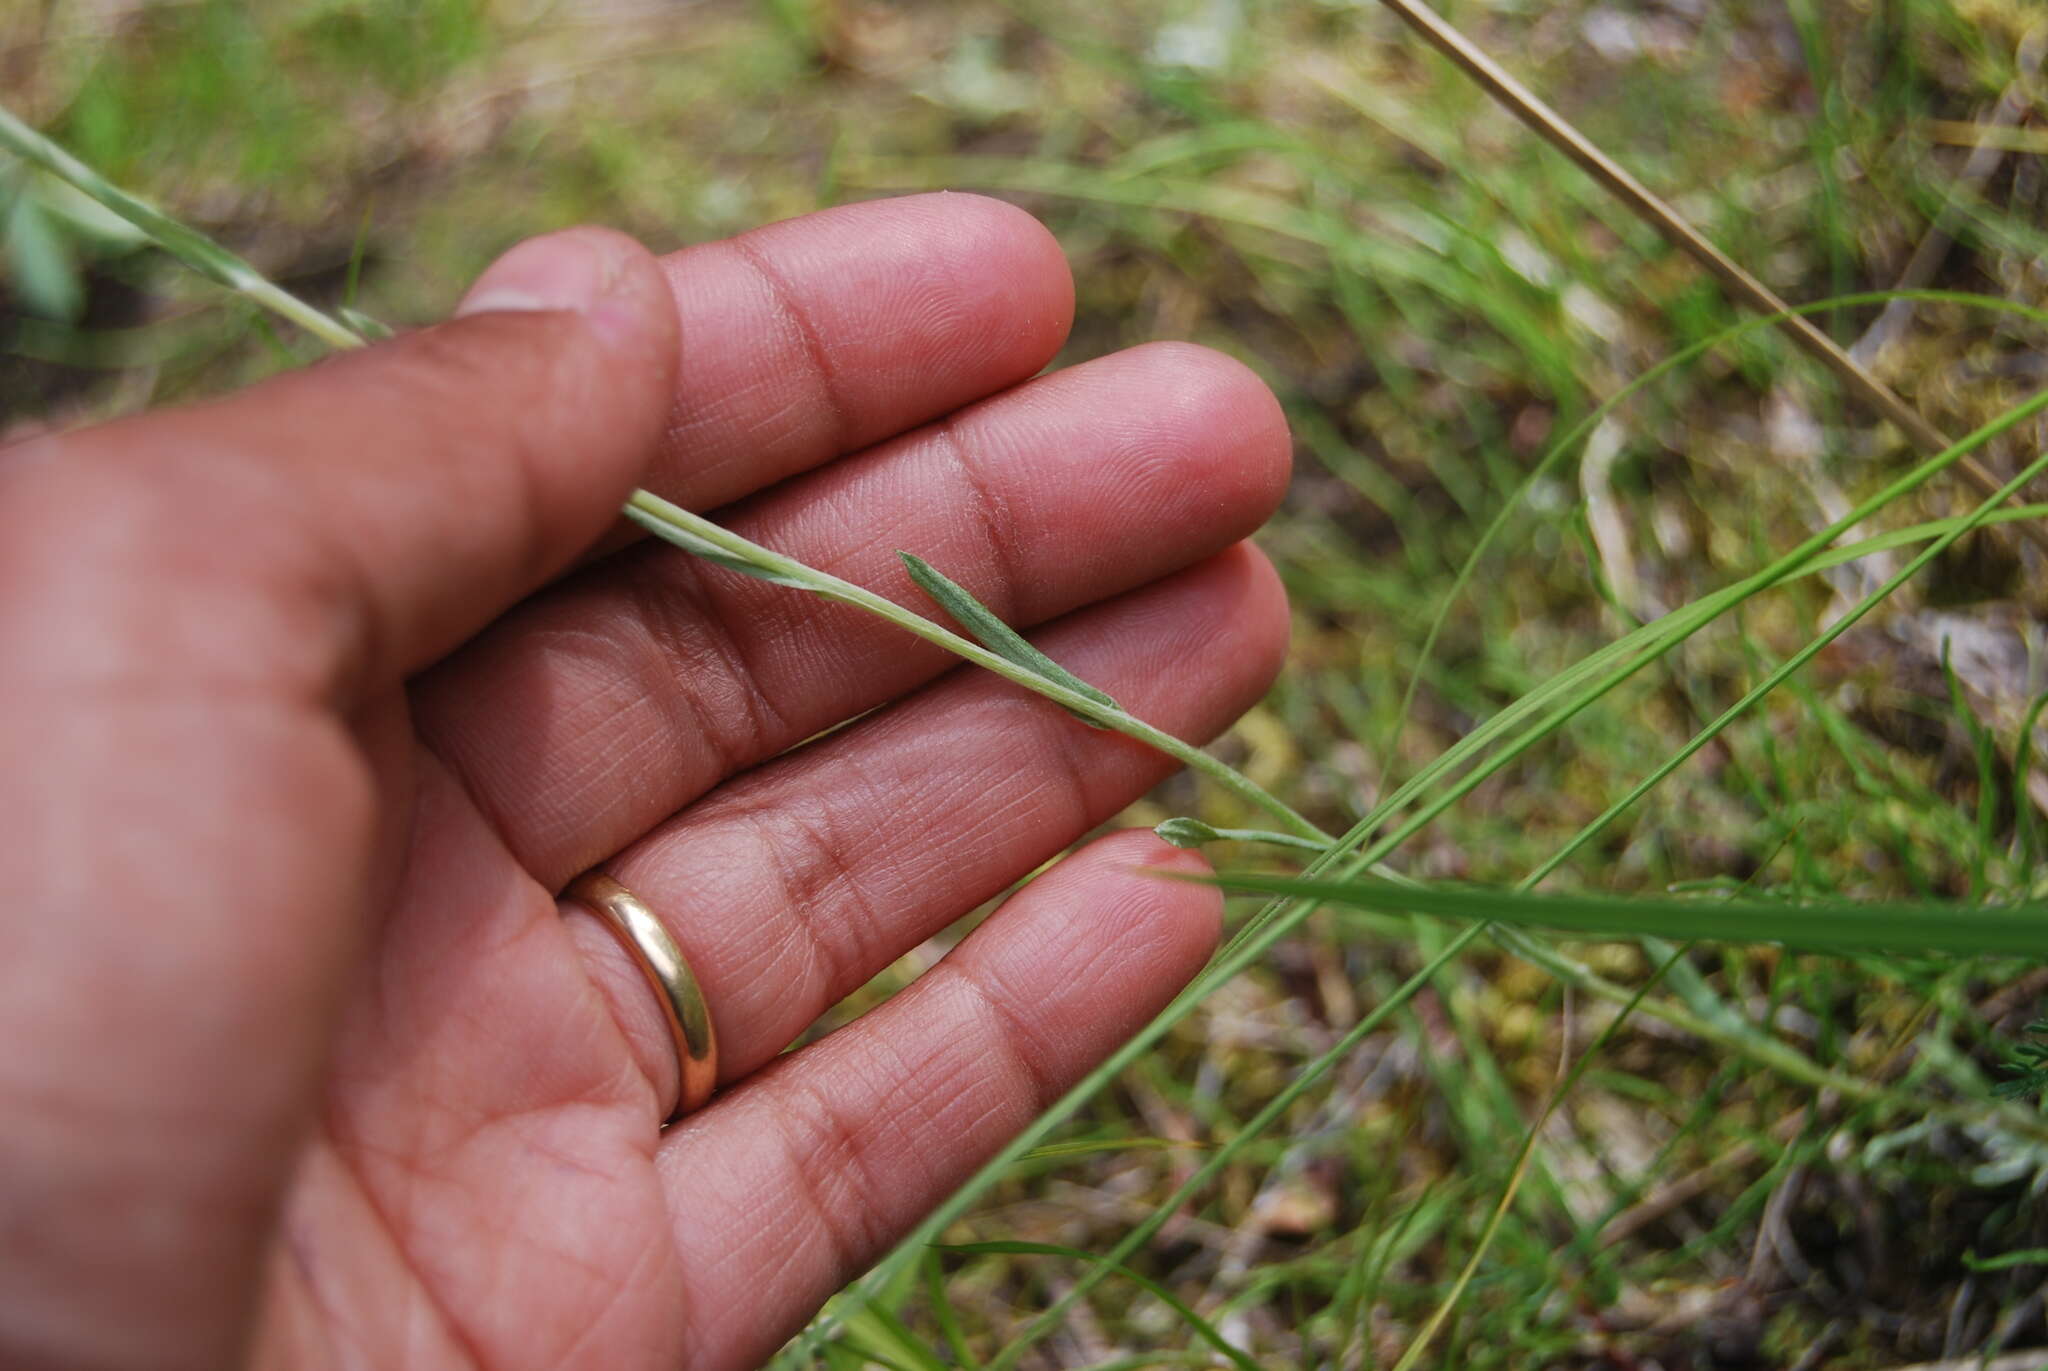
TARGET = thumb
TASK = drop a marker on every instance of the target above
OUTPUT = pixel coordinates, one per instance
(342, 526)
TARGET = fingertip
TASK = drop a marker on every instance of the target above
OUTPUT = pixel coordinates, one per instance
(843, 327)
(599, 273)
(1193, 908)
(1231, 611)
(1027, 259)
(616, 288)
(1129, 939)
(1263, 615)
(1210, 396)
(995, 282)
(1192, 435)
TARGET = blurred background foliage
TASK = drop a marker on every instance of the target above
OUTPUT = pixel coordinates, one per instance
(1436, 298)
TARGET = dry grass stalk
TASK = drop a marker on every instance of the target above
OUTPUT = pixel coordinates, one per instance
(1553, 128)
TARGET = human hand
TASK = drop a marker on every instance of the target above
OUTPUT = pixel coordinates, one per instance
(313, 698)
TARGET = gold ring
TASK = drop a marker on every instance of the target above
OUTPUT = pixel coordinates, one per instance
(667, 974)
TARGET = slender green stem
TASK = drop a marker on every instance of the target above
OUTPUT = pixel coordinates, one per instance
(693, 532)
(1585, 426)
(1790, 665)
(194, 249)
(1552, 127)
(1419, 1344)
(651, 512)
(1272, 1110)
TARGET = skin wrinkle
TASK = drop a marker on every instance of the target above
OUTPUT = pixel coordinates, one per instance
(808, 871)
(421, 1192)
(1005, 1032)
(853, 1225)
(755, 1238)
(819, 965)
(616, 1289)
(516, 1240)
(642, 674)
(765, 961)
(1145, 939)
(911, 276)
(823, 1151)
(884, 1070)
(794, 316)
(688, 637)
(992, 514)
(422, 1292)
(578, 650)
(939, 270)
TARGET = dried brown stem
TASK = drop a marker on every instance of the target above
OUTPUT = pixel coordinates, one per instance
(1553, 128)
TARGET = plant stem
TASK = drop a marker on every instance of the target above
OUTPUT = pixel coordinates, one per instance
(194, 249)
(677, 525)
(1548, 124)
(651, 512)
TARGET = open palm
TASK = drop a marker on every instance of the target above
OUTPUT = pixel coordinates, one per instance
(304, 728)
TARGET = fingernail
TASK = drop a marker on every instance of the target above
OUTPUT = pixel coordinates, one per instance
(563, 271)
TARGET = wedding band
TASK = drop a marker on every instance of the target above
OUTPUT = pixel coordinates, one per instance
(667, 974)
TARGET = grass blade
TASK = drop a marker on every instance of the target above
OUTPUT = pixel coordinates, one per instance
(1581, 430)
(1647, 205)
(1784, 671)
(1822, 926)
(194, 249)
(1203, 1329)
(1420, 1343)
(997, 636)
(1186, 832)
(943, 1313)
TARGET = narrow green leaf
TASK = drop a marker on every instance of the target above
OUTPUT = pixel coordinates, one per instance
(85, 219)
(1202, 1327)
(943, 1313)
(854, 1355)
(376, 330)
(881, 1337)
(699, 547)
(1825, 926)
(2030, 1256)
(1086, 1146)
(194, 249)
(997, 636)
(41, 263)
(1186, 832)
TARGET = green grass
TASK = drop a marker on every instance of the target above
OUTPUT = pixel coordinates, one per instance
(1354, 1131)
